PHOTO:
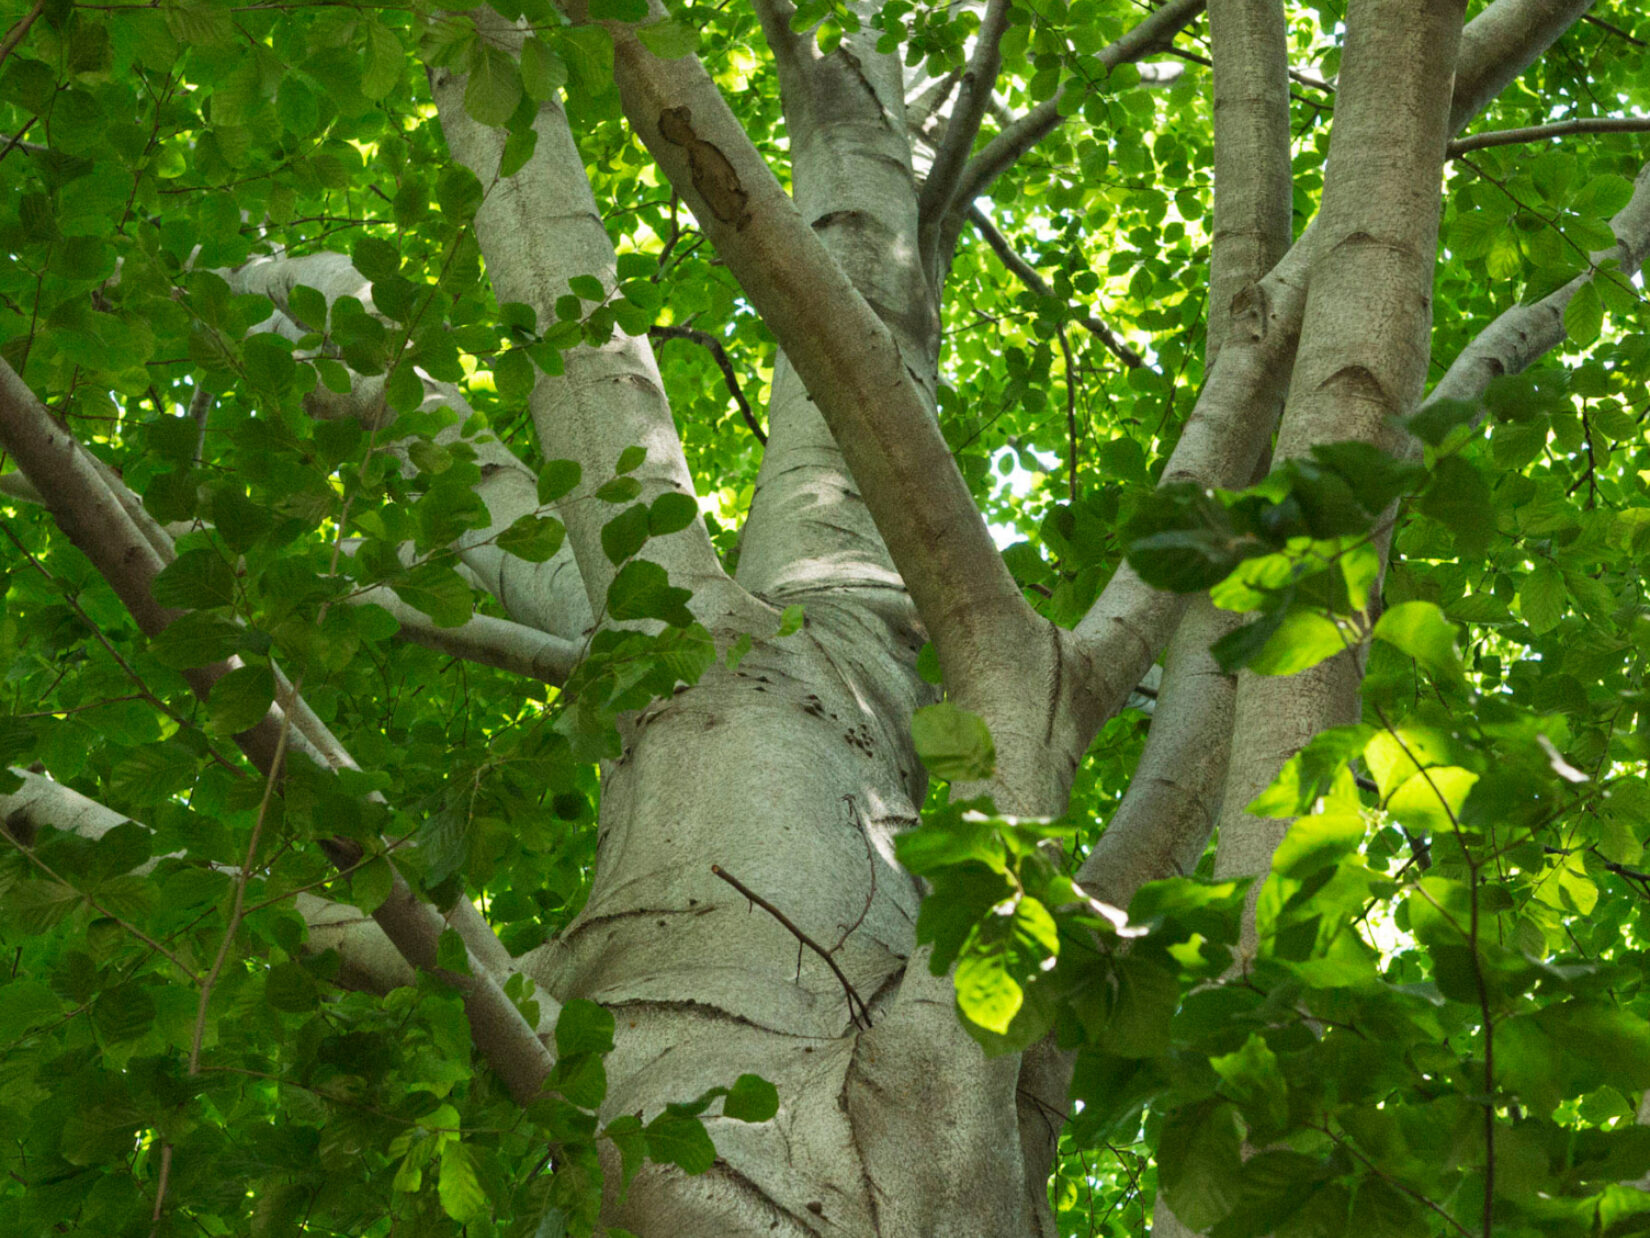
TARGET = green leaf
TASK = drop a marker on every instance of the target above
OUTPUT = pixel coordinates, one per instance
(619, 490)
(1421, 631)
(196, 580)
(791, 620)
(676, 1139)
(240, 699)
(1303, 639)
(1584, 316)
(542, 71)
(581, 1078)
(376, 259)
(196, 639)
(462, 1197)
(458, 193)
(671, 513)
(1199, 1163)
(534, 538)
(669, 40)
(584, 1027)
(625, 534)
(751, 1099)
(630, 459)
(451, 954)
(1542, 596)
(384, 60)
(1254, 1080)
(518, 149)
(494, 89)
(953, 743)
(558, 479)
(1143, 1002)
(438, 591)
(641, 590)
(987, 992)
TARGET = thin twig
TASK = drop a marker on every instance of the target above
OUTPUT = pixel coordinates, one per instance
(857, 1010)
(20, 29)
(709, 342)
(1033, 279)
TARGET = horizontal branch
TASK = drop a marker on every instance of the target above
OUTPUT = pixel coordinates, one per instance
(367, 959)
(1546, 133)
(483, 639)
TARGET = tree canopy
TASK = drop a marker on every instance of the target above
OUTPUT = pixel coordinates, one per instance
(317, 639)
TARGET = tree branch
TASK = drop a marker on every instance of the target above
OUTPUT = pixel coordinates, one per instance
(1227, 431)
(1544, 133)
(1364, 350)
(1163, 823)
(876, 407)
(85, 509)
(537, 229)
(1001, 152)
(1033, 279)
(547, 596)
(714, 346)
(973, 97)
(368, 959)
(1499, 44)
(1254, 183)
(483, 639)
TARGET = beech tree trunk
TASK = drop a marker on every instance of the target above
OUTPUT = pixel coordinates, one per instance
(793, 773)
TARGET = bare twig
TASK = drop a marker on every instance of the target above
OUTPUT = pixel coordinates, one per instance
(708, 341)
(1033, 279)
(20, 29)
(857, 1010)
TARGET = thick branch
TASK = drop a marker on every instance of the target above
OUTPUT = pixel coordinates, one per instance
(1546, 133)
(1033, 279)
(1364, 345)
(1228, 429)
(508, 646)
(877, 408)
(1173, 800)
(1253, 210)
(538, 229)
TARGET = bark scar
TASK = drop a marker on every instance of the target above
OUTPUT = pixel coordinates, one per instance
(713, 175)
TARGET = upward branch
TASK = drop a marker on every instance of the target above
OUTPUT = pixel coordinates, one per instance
(973, 98)
(847, 357)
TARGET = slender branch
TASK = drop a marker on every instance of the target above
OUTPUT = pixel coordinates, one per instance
(999, 154)
(1615, 30)
(1033, 279)
(857, 1010)
(94, 520)
(15, 36)
(973, 98)
(709, 342)
(1543, 133)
